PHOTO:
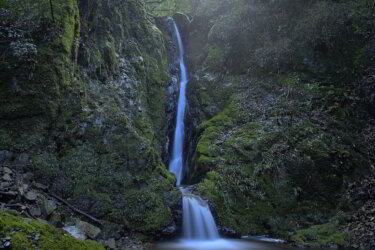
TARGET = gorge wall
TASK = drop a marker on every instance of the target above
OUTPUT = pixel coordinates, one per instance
(83, 103)
(282, 95)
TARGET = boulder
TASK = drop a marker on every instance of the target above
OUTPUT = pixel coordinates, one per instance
(48, 207)
(30, 196)
(7, 170)
(90, 230)
(35, 211)
(170, 231)
(7, 177)
(40, 186)
(227, 232)
(4, 184)
(111, 243)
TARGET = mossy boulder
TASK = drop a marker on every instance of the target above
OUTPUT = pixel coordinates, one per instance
(32, 234)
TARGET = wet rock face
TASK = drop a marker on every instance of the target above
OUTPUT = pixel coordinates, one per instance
(99, 89)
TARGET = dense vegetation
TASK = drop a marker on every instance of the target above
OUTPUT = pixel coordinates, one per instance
(280, 119)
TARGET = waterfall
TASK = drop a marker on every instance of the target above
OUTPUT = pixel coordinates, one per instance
(198, 222)
(176, 165)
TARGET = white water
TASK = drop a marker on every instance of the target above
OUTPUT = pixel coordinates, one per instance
(176, 165)
(198, 222)
(75, 232)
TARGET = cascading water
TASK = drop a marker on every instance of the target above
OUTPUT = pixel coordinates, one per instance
(198, 222)
(176, 165)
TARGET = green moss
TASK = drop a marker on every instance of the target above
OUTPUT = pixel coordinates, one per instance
(22, 232)
(309, 139)
(145, 211)
(205, 145)
(237, 212)
(155, 70)
(162, 170)
(321, 235)
(221, 119)
(109, 56)
(208, 188)
(211, 130)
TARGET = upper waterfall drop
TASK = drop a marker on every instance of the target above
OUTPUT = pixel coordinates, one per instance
(176, 164)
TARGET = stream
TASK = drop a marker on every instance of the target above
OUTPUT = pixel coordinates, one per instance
(224, 244)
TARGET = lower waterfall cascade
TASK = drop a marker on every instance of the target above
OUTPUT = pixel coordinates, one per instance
(198, 222)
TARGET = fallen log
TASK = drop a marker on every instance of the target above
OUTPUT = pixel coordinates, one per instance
(75, 209)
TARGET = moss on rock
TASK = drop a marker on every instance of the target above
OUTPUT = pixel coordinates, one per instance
(321, 235)
(23, 234)
(146, 211)
(267, 167)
